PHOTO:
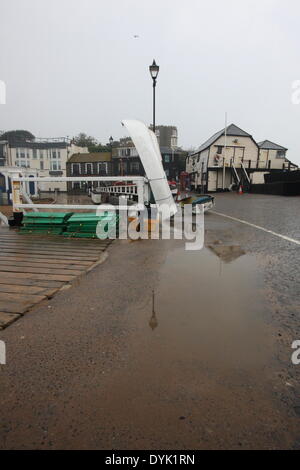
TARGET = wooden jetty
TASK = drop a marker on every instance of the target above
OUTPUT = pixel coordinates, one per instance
(34, 267)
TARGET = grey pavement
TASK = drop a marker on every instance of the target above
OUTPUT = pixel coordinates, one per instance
(208, 366)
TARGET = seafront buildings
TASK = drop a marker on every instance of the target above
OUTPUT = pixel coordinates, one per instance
(232, 157)
(227, 159)
(22, 152)
(35, 157)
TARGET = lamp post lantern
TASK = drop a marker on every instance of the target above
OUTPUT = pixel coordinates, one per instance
(154, 69)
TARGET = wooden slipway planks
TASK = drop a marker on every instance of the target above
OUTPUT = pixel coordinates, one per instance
(34, 267)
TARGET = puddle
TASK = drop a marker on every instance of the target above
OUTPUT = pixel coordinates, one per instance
(203, 351)
(227, 253)
(209, 307)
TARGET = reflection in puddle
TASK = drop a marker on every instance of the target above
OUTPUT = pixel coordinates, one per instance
(227, 253)
(153, 323)
(211, 314)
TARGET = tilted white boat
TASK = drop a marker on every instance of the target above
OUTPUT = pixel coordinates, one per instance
(145, 142)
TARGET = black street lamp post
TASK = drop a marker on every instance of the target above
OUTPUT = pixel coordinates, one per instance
(154, 69)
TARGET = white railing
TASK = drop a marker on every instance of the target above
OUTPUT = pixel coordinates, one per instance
(245, 172)
(128, 190)
(235, 172)
(18, 189)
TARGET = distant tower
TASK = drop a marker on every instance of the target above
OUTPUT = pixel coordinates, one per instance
(167, 136)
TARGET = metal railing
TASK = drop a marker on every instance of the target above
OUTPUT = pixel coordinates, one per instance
(254, 164)
(245, 172)
(235, 172)
(18, 188)
(120, 189)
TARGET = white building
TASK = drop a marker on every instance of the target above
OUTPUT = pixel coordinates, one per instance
(45, 157)
(272, 155)
(234, 157)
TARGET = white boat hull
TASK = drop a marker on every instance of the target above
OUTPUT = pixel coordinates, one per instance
(147, 147)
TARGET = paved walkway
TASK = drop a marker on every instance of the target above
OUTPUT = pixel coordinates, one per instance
(206, 366)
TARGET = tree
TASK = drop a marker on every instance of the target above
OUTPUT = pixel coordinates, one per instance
(84, 140)
(100, 148)
(17, 136)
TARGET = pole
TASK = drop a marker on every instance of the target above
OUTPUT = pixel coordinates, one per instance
(224, 158)
(16, 187)
(154, 85)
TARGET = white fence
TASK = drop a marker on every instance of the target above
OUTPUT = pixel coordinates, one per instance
(139, 188)
(125, 190)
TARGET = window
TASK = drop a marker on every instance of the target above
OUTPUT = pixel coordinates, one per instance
(135, 166)
(58, 154)
(167, 158)
(75, 168)
(280, 154)
(102, 168)
(219, 149)
(41, 165)
(54, 166)
(89, 168)
(53, 153)
(41, 154)
(34, 153)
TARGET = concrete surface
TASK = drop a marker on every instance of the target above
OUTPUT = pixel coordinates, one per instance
(208, 368)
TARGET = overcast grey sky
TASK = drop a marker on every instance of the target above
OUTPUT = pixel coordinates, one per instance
(74, 65)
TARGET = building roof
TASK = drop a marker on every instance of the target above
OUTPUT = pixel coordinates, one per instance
(268, 145)
(90, 157)
(231, 130)
(39, 145)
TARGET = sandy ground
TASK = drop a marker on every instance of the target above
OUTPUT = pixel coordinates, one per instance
(208, 366)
